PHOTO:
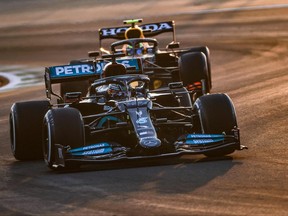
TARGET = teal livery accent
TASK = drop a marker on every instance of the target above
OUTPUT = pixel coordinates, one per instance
(79, 70)
(65, 71)
(204, 136)
(105, 119)
(90, 147)
(126, 62)
(203, 141)
(129, 63)
(94, 152)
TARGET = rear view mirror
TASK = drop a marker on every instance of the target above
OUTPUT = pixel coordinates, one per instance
(93, 54)
(173, 45)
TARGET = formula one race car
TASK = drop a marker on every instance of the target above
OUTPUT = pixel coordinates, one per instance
(163, 66)
(123, 116)
(121, 119)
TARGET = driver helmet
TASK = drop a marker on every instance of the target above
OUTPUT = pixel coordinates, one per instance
(134, 32)
(115, 91)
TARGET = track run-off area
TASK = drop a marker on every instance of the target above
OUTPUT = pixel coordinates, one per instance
(17, 76)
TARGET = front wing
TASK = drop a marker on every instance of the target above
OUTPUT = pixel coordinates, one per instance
(111, 151)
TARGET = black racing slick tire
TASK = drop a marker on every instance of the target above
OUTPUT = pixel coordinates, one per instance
(25, 121)
(193, 68)
(217, 115)
(63, 126)
(206, 51)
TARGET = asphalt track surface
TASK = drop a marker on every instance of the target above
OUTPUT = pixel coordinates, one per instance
(249, 62)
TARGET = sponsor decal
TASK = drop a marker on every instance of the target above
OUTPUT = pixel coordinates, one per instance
(93, 146)
(129, 63)
(147, 133)
(142, 120)
(64, 71)
(203, 141)
(99, 67)
(100, 151)
(153, 27)
(143, 126)
(113, 31)
(157, 27)
(139, 113)
(71, 70)
(204, 136)
(99, 145)
(95, 152)
(126, 62)
(150, 142)
(143, 133)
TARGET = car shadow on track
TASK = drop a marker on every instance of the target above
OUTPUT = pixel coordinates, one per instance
(94, 183)
(193, 170)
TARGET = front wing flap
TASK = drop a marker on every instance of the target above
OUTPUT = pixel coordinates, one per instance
(111, 151)
(95, 152)
(201, 143)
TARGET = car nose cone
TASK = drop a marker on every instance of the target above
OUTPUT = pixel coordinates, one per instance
(150, 142)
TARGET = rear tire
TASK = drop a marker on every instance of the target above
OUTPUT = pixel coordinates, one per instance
(62, 126)
(193, 68)
(26, 120)
(206, 51)
(217, 115)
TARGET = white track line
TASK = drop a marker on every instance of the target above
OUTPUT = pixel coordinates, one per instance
(21, 76)
(13, 81)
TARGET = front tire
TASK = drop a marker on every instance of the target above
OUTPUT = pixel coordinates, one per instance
(62, 126)
(25, 121)
(217, 115)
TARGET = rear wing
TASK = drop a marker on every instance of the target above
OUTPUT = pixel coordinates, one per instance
(66, 73)
(85, 71)
(63, 73)
(149, 30)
